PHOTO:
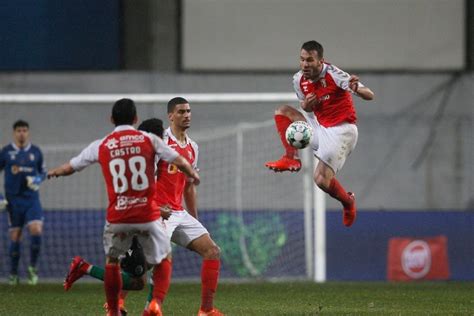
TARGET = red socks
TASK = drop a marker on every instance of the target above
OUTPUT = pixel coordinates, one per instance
(112, 285)
(209, 278)
(282, 122)
(339, 193)
(162, 279)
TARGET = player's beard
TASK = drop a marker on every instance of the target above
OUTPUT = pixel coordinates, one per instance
(312, 73)
(309, 73)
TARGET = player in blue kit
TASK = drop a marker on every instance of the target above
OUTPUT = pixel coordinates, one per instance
(24, 171)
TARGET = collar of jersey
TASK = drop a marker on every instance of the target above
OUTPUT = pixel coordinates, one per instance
(27, 147)
(170, 135)
(123, 128)
(321, 74)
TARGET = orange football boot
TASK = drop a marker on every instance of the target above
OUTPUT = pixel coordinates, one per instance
(77, 269)
(122, 309)
(154, 308)
(350, 212)
(284, 164)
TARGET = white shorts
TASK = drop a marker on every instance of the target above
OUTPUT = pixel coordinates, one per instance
(152, 237)
(182, 228)
(332, 145)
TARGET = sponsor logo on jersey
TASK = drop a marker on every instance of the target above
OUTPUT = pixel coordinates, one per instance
(324, 98)
(124, 202)
(132, 138)
(112, 143)
(172, 169)
(304, 86)
(416, 259)
(17, 169)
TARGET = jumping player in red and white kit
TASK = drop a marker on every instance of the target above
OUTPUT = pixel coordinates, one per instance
(326, 104)
(127, 159)
(182, 225)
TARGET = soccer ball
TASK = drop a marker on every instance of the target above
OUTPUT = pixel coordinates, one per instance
(299, 134)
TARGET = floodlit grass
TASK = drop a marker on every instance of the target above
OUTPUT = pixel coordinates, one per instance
(285, 298)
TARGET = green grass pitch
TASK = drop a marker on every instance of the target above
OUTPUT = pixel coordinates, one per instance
(282, 298)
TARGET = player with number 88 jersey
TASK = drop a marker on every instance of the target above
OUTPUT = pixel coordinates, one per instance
(127, 159)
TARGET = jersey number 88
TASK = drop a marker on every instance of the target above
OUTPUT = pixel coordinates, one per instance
(137, 166)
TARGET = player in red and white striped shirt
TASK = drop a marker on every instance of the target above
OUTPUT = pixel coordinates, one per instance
(326, 104)
(127, 159)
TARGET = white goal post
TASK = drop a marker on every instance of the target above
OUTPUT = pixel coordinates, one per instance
(314, 199)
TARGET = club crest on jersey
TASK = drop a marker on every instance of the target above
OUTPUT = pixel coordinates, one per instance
(32, 157)
(15, 169)
(12, 154)
(323, 83)
(112, 143)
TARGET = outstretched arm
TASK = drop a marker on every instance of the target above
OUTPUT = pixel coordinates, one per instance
(61, 171)
(88, 156)
(361, 91)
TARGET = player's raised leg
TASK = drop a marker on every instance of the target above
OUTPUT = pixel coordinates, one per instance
(324, 177)
(80, 267)
(284, 116)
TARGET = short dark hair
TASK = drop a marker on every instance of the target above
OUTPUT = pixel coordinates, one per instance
(175, 101)
(313, 45)
(153, 125)
(124, 112)
(20, 123)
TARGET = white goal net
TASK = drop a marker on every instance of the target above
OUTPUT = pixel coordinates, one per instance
(260, 219)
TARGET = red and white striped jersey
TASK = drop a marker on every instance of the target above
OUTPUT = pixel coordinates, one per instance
(333, 92)
(127, 159)
(170, 181)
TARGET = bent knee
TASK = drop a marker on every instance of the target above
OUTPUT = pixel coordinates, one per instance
(35, 228)
(321, 181)
(284, 110)
(213, 252)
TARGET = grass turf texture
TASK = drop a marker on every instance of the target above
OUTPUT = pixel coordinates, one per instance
(299, 298)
